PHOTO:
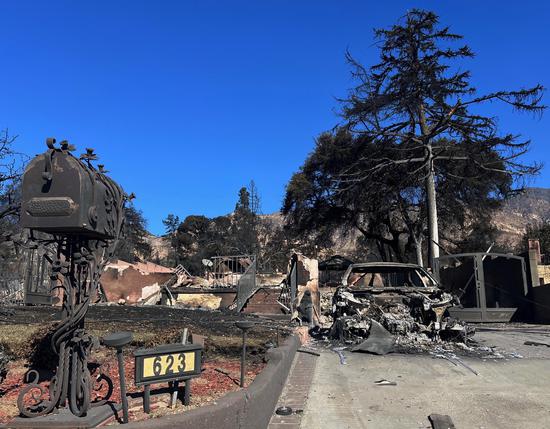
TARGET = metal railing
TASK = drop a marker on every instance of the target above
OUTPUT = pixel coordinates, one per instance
(227, 271)
(12, 291)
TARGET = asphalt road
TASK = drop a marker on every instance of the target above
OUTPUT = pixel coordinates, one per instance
(508, 393)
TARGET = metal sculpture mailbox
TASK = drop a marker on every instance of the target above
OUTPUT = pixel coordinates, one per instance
(75, 209)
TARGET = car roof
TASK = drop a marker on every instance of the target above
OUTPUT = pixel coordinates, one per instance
(385, 265)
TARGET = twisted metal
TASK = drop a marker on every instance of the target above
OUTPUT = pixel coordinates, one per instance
(75, 270)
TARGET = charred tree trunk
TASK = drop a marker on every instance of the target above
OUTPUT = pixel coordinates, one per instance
(418, 250)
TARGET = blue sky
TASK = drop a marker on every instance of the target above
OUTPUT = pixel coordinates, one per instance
(187, 101)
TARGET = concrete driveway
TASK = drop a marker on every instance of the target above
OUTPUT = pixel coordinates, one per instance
(507, 393)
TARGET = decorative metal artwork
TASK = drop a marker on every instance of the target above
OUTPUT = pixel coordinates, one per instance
(76, 211)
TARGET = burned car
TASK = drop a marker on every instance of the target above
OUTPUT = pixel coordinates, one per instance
(388, 284)
(399, 301)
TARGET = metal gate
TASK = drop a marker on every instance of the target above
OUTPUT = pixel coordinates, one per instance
(491, 286)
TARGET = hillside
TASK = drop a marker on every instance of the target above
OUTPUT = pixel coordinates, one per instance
(532, 206)
(160, 246)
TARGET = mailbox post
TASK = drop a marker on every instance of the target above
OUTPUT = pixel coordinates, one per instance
(76, 211)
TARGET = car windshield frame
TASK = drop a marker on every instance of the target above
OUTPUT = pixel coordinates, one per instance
(411, 277)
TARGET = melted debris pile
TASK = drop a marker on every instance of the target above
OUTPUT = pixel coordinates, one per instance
(398, 319)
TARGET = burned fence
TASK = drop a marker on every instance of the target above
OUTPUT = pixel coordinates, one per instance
(27, 281)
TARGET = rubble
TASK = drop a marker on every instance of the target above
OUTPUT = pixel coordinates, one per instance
(382, 320)
(368, 321)
(309, 352)
(200, 300)
(303, 277)
(142, 283)
(535, 343)
(379, 341)
(126, 283)
(339, 352)
(454, 359)
(385, 307)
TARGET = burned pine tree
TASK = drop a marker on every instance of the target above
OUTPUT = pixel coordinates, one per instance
(421, 154)
(319, 206)
(413, 104)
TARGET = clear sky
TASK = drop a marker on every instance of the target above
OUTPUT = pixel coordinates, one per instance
(187, 101)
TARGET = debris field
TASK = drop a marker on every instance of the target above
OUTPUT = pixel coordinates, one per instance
(397, 320)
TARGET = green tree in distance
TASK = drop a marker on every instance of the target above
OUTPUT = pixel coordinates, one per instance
(171, 224)
(244, 225)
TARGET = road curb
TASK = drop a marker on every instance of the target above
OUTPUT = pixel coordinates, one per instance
(249, 408)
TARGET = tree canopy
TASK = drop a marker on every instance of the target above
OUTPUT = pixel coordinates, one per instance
(11, 162)
(134, 245)
(413, 152)
(10, 177)
(199, 237)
